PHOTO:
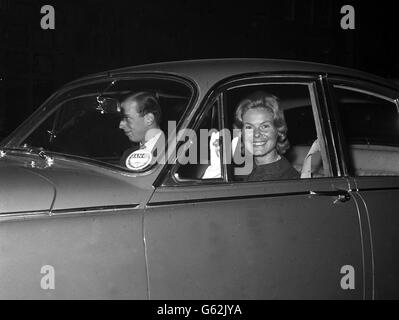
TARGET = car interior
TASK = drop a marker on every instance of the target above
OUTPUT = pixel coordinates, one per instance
(81, 127)
(371, 128)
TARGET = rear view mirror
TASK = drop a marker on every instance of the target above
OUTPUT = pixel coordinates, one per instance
(108, 105)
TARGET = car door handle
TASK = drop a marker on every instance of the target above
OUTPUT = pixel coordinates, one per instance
(342, 195)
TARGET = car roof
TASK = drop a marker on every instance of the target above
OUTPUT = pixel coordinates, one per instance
(207, 72)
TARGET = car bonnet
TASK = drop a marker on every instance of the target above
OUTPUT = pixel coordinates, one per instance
(66, 185)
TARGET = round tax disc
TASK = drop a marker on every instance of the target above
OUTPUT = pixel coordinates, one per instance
(139, 160)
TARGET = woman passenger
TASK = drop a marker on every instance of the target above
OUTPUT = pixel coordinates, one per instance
(264, 136)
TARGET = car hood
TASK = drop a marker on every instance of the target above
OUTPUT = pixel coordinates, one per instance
(66, 185)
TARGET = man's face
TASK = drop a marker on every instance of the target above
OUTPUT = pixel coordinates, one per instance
(132, 123)
(260, 135)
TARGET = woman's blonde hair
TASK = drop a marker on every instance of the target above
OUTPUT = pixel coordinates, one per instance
(261, 99)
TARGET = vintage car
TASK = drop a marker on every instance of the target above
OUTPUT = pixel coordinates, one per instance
(76, 223)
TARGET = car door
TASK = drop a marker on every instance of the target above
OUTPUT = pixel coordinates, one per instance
(369, 118)
(224, 239)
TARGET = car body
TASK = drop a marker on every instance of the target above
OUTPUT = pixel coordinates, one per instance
(76, 225)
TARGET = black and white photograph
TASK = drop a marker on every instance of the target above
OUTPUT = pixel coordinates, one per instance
(199, 154)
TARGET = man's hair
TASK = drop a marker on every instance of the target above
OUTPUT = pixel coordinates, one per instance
(261, 99)
(147, 102)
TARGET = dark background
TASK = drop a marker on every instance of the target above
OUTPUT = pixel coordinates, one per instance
(96, 35)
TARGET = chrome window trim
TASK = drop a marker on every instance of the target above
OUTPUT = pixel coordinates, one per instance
(338, 170)
(26, 215)
(377, 95)
(316, 107)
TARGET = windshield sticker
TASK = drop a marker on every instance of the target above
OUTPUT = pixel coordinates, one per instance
(139, 160)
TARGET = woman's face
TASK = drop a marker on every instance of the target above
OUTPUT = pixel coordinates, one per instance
(260, 134)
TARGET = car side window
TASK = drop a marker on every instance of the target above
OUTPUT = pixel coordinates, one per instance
(300, 145)
(370, 124)
(301, 152)
(201, 159)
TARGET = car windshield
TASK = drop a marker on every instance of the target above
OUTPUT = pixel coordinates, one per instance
(86, 121)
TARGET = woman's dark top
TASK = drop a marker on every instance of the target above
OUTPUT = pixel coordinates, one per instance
(281, 169)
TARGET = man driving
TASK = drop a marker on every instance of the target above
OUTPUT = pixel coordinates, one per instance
(141, 117)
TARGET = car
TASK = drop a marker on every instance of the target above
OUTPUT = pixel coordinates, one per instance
(76, 223)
